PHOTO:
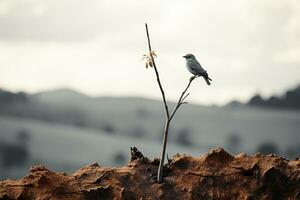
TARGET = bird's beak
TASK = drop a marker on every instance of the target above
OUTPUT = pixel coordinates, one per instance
(184, 56)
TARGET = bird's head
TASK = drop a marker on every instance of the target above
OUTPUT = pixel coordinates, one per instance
(189, 56)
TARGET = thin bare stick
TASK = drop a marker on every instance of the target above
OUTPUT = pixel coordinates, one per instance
(163, 151)
(182, 97)
(157, 74)
(185, 96)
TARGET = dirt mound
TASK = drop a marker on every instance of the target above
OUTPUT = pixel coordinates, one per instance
(215, 175)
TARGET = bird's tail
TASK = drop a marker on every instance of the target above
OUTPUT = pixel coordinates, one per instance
(207, 80)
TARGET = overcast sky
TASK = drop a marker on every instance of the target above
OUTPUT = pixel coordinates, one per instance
(96, 46)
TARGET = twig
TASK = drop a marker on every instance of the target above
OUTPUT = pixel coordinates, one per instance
(185, 96)
(157, 75)
(182, 97)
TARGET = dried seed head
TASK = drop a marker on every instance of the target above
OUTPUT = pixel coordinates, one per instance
(152, 53)
(148, 57)
(150, 64)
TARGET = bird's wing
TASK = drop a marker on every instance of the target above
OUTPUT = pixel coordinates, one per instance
(195, 66)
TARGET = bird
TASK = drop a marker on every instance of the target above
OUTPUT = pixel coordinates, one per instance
(195, 68)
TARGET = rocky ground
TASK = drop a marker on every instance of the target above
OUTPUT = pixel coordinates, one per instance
(215, 175)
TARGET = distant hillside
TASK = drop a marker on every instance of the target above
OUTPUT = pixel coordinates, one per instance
(37, 128)
(7, 97)
(60, 95)
(289, 100)
(244, 127)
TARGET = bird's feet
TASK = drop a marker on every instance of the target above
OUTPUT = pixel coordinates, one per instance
(192, 78)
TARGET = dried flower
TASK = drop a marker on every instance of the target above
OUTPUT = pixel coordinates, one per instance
(152, 53)
(148, 58)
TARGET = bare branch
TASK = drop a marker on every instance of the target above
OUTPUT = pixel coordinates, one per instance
(157, 75)
(185, 96)
(182, 97)
(164, 146)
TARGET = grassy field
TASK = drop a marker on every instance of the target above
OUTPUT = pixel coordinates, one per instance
(66, 130)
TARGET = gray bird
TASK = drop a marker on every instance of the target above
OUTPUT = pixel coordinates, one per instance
(195, 68)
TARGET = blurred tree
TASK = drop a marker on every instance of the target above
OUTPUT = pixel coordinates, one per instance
(183, 137)
(275, 102)
(108, 128)
(7, 98)
(235, 104)
(256, 100)
(268, 148)
(13, 155)
(292, 98)
(143, 113)
(23, 137)
(138, 132)
(119, 158)
(234, 142)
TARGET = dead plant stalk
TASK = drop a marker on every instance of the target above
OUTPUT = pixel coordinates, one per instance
(169, 116)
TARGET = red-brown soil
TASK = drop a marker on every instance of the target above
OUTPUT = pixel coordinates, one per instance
(215, 175)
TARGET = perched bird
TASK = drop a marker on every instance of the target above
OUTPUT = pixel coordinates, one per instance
(195, 68)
